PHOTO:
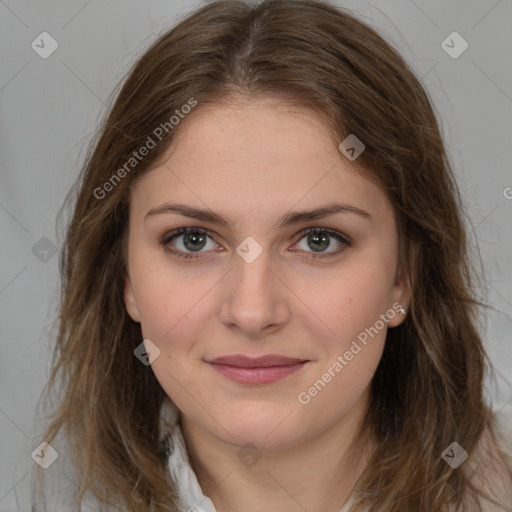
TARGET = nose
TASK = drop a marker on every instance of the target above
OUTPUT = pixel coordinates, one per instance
(255, 300)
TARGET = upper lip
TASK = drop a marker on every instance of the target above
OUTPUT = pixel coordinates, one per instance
(255, 362)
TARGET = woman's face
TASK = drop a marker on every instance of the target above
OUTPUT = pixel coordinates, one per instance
(250, 280)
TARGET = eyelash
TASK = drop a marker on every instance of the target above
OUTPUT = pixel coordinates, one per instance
(185, 230)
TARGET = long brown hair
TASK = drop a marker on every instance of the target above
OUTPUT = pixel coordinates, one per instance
(427, 390)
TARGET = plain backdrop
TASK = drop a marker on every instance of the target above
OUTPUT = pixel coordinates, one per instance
(51, 107)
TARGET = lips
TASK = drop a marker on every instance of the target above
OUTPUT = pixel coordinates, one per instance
(256, 362)
(257, 370)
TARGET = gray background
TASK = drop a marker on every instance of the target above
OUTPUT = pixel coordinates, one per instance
(50, 109)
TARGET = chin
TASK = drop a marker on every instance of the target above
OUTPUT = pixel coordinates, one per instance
(267, 426)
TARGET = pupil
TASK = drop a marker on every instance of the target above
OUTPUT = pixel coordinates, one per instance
(197, 241)
(320, 239)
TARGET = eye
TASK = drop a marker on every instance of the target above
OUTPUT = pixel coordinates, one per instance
(187, 241)
(320, 239)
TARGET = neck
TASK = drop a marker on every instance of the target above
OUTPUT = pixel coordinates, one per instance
(317, 475)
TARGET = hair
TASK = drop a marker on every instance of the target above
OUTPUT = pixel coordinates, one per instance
(428, 388)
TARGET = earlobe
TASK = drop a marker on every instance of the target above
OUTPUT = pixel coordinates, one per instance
(402, 288)
(129, 301)
(401, 300)
(400, 309)
(398, 315)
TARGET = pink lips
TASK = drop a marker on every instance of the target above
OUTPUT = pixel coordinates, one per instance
(259, 370)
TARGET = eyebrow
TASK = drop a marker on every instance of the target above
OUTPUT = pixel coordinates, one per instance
(288, 219)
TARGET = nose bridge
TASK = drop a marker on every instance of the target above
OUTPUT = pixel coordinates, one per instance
(251, 264)
(251, 280)
(253, 300)
(253, 276)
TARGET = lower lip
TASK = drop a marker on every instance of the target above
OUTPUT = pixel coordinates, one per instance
(257, 375)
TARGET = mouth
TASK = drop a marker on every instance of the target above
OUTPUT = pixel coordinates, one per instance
(256, 371)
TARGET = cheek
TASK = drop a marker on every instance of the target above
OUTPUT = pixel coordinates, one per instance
(173, 313)
(338, 390)
(352, 355)
(347, 303)
(173, 303)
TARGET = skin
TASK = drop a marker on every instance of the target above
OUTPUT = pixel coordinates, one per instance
(253, 161)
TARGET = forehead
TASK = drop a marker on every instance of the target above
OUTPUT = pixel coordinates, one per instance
(257, 130)
(252, 156)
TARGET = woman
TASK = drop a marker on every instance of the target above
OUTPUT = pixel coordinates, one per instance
(267, 300)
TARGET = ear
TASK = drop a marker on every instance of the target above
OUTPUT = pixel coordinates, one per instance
(400, 299)
(129, 301)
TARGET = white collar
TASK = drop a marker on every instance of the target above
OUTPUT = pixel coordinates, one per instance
(185, 479)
